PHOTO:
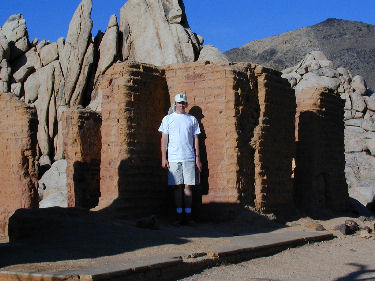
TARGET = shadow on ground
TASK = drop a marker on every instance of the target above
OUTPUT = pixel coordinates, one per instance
(57, 234)
(358, 275)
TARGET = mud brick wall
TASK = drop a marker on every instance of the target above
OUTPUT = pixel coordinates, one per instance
(18, 178)
(246, 159)
(320, 163)
(213, 91)
(274, 143)
(134, 102)
(82, 150)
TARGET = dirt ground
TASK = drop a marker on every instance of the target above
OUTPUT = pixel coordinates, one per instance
(343, 258)
(89, 241)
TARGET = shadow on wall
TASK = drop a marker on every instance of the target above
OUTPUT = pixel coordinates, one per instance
(86, 183)
(320, 184)
(196, 111)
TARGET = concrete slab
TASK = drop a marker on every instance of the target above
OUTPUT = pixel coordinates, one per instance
(167, 266)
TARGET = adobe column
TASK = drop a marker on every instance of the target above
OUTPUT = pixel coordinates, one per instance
(135, 99)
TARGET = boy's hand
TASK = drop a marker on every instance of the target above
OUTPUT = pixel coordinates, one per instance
(198, 163)
(165, 163)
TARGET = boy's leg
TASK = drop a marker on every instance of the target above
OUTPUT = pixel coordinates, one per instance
(178, 196)
(188, 196)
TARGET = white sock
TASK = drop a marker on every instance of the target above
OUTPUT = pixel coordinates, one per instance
(187, 210)
(179, 210)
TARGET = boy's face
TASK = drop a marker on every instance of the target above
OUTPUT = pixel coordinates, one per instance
(180, 106)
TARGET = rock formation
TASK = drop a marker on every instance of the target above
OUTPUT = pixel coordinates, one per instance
(157, 32)
(316, 71)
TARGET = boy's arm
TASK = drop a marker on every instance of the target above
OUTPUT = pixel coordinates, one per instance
(163, 147)
(197, 153)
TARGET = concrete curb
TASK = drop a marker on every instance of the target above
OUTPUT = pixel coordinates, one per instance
(174, 266)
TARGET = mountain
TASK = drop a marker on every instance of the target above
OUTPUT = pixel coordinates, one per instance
(350, 44)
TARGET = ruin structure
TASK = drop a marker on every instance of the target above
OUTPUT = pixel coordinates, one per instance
(320, 161)
(134, 102)
(18, 175)
(82, 147)
(235, 104)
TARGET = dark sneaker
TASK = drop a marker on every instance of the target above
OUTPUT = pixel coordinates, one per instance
(190, 221)
(179, 220)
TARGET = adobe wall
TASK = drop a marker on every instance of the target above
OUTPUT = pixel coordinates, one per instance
(319, 174)
(274, 143)
(235, 104)
(82, 150)
(134, 103)
(18, 178)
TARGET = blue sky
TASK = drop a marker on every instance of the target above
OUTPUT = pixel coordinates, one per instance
(225, 24)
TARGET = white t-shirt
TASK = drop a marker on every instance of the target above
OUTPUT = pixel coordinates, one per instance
(181, 129)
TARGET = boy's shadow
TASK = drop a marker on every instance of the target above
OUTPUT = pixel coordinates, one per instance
(203, 187)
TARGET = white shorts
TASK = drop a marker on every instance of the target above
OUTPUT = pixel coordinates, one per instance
(183, 173)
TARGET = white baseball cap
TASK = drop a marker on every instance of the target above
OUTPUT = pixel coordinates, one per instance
(180, 97)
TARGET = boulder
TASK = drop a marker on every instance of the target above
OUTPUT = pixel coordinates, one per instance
(326, 63)
(4, 46)
(359, 169)
(48, 53)
(348, 102)
(368, 125)
(88, 60)
(211, 53)
(75, 48)
(59, 138)
(352, 225)
(358, 103)
(5, 71)
(370, 102)
(364, 194)
(318, 55)
(109, 52)
(345, 73)
(30, 58)
(108, 47)
(23, 73)
(328, 72)
(15, 31)
(370, 135)
(371, 146)
(359, 85)
(157, 32)
(354, 139)
(16, 89)
(52, 186)
(32, 86)
(354, 122)
(60, 45)
(46, 82)
(343, 228)
(40, 45)
(312, 80)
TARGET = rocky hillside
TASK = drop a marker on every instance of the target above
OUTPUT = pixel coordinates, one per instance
(348, 44)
